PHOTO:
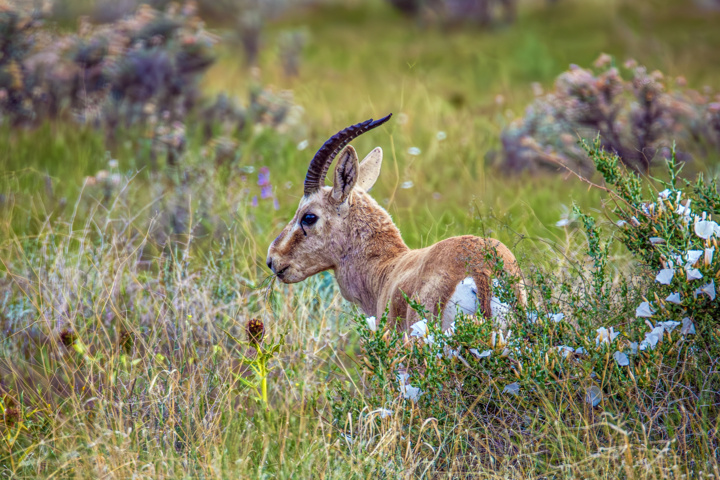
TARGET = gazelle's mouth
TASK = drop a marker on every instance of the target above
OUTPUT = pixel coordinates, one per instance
(280, 273)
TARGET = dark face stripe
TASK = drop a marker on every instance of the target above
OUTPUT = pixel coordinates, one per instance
(293, 241)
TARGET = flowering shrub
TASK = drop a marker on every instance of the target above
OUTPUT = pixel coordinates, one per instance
(634, 112)
(642, 348)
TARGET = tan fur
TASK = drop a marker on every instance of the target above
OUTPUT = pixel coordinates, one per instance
(356, 238)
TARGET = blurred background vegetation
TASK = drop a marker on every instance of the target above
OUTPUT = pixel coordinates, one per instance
(454, 85)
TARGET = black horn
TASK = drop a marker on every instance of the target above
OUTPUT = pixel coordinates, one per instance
(322, 160)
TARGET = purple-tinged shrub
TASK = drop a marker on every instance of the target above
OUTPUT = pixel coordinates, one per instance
(481, 12)
(102, 73)
(635, 113)
(141, 71)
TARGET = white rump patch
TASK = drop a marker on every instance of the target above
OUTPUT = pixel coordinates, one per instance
(464, 300)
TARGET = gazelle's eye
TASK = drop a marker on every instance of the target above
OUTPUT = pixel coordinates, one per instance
(309, 219)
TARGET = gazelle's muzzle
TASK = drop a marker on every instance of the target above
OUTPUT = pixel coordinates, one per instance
(274, 263)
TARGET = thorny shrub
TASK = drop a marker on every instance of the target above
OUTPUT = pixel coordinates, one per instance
(636, 113)
(629, 361)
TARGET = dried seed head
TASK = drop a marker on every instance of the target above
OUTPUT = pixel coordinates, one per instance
(67, 337)
(255, 331)
(126, 340)
(12, 415)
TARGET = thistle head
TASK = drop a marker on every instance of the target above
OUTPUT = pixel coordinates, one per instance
(255, 330)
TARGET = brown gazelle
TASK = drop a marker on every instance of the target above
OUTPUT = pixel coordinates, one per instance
(342, 228)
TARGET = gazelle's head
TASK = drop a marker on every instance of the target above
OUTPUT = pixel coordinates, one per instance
(315, 238)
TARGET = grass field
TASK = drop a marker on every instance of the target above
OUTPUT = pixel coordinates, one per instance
(117, 359)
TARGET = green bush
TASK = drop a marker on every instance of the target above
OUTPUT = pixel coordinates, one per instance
(619, 360)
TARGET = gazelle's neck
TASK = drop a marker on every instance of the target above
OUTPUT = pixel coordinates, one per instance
(372, 247)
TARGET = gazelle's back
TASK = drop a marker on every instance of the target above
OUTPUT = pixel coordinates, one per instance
(454, 273)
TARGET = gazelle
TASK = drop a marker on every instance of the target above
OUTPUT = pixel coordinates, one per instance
(342, 228)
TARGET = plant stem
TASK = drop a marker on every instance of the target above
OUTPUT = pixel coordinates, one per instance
(263, 379)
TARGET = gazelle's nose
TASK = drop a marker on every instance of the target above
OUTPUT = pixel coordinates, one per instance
(269, 264)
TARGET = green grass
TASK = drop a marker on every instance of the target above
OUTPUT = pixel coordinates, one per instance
(170, 405)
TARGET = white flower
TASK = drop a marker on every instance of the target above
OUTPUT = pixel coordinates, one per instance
(688, 327)
(408, 184)
(532, 317)
(410, 393)
(113, 163)
(705, 229)
(566, 217)
(414, 151)
(644, 310)
(621, 359)
(708, 289)
(657, 240)
(478, 355)
(441, 136)
(450, 331)
(371, 323)
(605, 336)
(664, 194)
(621, 223)
(402, 378)
(449, 352)
(419, 329)
(593, 396)
(634, 221)
(709, 252)
(692, 256)
(693, 274)
(513, 388)
(652, 338)
(665, 276)
(557, 317)
(383, 412)
(673, 298)
(580, 350)
(303, 145)
(565, 350)
(669, 325)
(684, 209)
(634, 347)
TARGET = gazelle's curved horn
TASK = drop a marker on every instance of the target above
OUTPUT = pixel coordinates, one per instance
(322, 160)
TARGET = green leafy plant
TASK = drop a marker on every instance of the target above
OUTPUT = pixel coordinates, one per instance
(259, 364)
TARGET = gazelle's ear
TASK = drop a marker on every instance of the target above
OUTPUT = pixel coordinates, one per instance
(370, 169)
(346, 174)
